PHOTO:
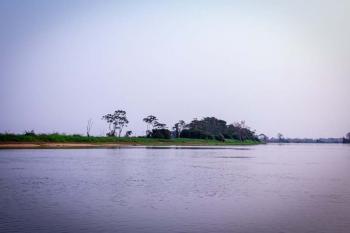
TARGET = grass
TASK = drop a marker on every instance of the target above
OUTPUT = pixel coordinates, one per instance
(62, 138)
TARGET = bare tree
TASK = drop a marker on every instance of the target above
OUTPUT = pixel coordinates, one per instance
(89, 127)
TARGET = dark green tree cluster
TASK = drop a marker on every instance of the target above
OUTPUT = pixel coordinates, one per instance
(159, 130)
(206, 128)
(213, 128)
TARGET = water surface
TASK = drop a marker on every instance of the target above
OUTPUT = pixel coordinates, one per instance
(266, 189)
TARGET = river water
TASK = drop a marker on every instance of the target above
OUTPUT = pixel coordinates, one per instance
(259, 189)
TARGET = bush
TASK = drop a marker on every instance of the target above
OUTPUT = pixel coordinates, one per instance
(110, 134)
(220, 138)
(29, 133)
(193, 133)
(160, 133)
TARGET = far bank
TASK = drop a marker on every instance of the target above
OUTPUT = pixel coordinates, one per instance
(13, 141)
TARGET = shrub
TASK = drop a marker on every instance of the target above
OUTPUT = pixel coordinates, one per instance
(160, 133)
(29, 133)
(220, 138)
(194, 133)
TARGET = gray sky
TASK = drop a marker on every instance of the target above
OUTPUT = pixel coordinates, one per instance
(283, 66)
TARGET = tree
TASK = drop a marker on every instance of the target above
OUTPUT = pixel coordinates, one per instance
(243, 131)
(159, 130)
(128, 133)
(159, 125)
(213, 128)
(88, 127)
(30, 133)
(263, 138)
(280, 137)
(210, 125)
(150, 120)
(347, 138)
(116, 121)
(178, 127)
(160, 133)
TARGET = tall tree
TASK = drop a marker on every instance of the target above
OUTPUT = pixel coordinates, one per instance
(280, 137)
(241, 129)
(150, 121)
(178, 127)
(116, 121)
(159, 131)
(159, 125)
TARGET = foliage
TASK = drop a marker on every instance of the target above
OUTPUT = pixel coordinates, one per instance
(158, 125)
(213, 128)
(128, 133)
(159, 130)
(29, 133)
(210, 125)
(240, 132)
(160, 133)
(178, 127)
(116, 121)
(62, 138)
(209, 130)
(195, 133)
(150, 121)
(220, 137)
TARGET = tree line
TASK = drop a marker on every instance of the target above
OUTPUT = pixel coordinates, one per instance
(205, 128)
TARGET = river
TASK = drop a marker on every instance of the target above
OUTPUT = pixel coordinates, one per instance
(270, 188)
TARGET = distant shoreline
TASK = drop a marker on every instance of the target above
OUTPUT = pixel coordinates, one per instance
(69, 141)
(48, 145)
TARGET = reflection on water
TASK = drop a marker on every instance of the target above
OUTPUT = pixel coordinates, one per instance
(267, 188)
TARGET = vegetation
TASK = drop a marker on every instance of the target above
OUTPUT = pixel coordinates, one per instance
(116, 121)
(150, 121)
(178, 127)
(159, 130)
(207, 131)
(88, 127)
(160, 133)
(62, 138)
(213, 128)
(347, 138)
(209, 128)
(128, 133)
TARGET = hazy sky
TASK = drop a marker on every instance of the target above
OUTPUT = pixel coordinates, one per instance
(283, 66)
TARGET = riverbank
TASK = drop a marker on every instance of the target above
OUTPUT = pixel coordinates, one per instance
(12, 141)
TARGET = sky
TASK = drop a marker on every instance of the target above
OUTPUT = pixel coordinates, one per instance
(282, 66)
